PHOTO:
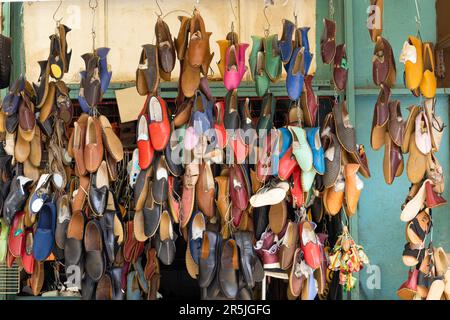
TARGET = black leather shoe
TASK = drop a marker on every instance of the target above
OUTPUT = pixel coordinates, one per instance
(231, 120)
(116, 275)
(164, 241)
(107, 225)
(46, 126)
(17, 196)
(160, 181)
(208, 258)
(88, 287)
(260, 220)
(12, 122)
(247, 256)
(152, 215)
(229, 265)
(98, 197)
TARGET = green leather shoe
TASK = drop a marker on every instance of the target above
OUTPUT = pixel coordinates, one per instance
(308, 180)
(301, 149)
(265, 121)
(257, 66)
(3, 240)
(272, 57)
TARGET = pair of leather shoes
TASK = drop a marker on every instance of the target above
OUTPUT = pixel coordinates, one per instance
(235, 65)
(193, 44)
(59, 59)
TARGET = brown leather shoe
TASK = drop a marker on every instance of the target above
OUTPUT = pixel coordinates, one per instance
(36, 148)
(190, 79)
(112, 142)
(396, 125)
(380, 118)
(345, 131)
(198, 42)
(147, 74)
(223, 203)
(340, 70)
(166, 48)
(79, 137)
(181, 42)
(93, 150)
(37, 278)
(328, 41)
(205, 190)
(27, 119)
(288, 246)
(383, 70)
(393, 163)
(278, 217)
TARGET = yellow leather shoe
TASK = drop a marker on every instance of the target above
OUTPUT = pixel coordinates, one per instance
(412, 56)
(223, 46)
(429, 81)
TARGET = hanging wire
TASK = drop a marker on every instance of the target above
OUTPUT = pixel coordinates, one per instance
(58, 21)
(295, 14)
(177, 10)
(418, 19)
(160, 14)
(266, 30)
(234, 15)
(93, 4)
(331, 9)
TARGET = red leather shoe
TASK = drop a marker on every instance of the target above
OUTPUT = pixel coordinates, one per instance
(236, 214)
(287, 165)
(27, 257)
(144, 144)
(408, 289)
(296, 187)
(238, 192)
(240, 149)
(219, 128)
(264, 167)
(159, 126)
(309, 243)
(16, 237)
(433, 199)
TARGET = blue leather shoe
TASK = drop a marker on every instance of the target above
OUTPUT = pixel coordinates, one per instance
(313, 136)
(265, 121)
(196, 228)
(105, 75)
(81, 99)
(201, 115)
(133, 290)
(285, 141)
(305, 43)
(44, 236)
(295, 75)
(285, 43)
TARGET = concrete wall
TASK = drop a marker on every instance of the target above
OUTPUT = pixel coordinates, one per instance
(126, 25)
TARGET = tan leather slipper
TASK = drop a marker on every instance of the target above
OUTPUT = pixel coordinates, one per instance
(417, 162)
(21, 149)
(353, 187)
(36, 148)
(118, 229)
(47, 106)
(138, 226)
(409, 127)
(278, 217)
(110, 139)
(190, 79)
(191, 266)
(30, 171)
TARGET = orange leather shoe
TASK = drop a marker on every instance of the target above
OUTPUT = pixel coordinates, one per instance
(429, 82)
(412, 56)
(353, 187)
(159, 127)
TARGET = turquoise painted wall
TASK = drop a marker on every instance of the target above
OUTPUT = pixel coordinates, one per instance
(380, 230)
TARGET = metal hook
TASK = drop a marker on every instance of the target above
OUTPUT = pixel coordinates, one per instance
(93, 4)
(267, 30)
(178, 10)
(160, 10)
(54, 14)
(418, 18)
